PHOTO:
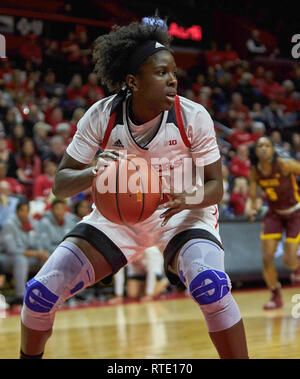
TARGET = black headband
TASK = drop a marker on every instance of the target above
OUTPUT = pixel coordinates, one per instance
(142, 53)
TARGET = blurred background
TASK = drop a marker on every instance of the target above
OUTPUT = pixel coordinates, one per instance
(234, 58)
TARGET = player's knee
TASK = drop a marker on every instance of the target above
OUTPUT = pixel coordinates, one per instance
(39, 306)
(66, 272)
(210, 287)
(290, 261)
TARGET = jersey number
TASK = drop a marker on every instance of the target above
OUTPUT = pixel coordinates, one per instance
(272, 195)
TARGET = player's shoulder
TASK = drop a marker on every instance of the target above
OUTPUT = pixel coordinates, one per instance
(104, 105)
(190, 109)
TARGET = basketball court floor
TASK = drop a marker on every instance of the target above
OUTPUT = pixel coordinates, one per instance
(163, 329)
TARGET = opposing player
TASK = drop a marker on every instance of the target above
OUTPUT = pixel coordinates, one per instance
(276, 176)
(148, 119)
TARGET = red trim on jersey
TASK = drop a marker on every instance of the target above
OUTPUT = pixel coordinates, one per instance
(108, 130)
(180, 123)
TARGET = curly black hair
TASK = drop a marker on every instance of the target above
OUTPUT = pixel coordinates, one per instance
(112, 51)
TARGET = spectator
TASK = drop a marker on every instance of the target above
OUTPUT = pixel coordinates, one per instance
(91, 91)
(55, 224)
(240, 164)
(258, 130)
(240, 135)
(281, 147)
(81, 209)
(57, 150)
(41, 138)
(77, 114)
(239, 196)
(8, 203)
(16, 188)
(64, 131)
(31, 51)
(17, 139)
(43, 184)
(73, 90)
(7, 157)
(274, 116)
(237, 110)
(51, 87)
(296, 146)
(214, 56)
(34, 115)
(255, 46)
(256, 113)
(29, 167)
(21, 243)
(55, 116)
(230, 55)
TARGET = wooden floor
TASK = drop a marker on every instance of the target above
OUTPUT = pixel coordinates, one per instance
(161, 329)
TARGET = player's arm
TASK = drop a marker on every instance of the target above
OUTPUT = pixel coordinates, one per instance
(73, 177)
(253, 193)
(289, 166)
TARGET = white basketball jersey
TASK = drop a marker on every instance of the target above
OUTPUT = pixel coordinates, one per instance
(184, 133)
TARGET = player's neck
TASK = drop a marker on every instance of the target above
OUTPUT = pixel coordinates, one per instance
(266, 166)
(140, 113)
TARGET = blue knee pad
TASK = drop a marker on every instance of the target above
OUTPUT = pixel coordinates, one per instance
(209, 286)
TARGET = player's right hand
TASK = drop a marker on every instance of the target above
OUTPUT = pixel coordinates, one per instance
(107, 157)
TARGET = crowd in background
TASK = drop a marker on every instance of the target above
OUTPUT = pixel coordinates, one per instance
(48, 86)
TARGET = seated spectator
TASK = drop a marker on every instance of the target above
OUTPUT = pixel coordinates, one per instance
(31, 51)
(255, 46)
(274, 116)
(81, 209)
(257, 113)
(214, 56)
(54, 225)
(77, 114)
(9, 121)
(239, 196)
(226, 186)
(240, 164)
(17, 138)
(43, 184)
(245, 89)
(91, 91)
(64, 131)
(57, 150)
(41, 139)
(7, 157)
(15, 187)
(270, 88)
(198, 84)
(237, 109)
(51, 87)
(73, 90)
(34, 115)
(29, 167)
(295, 151)
(8, 203)
(21, 243)
(282, 148)
(70, 48)
(230, 55)
(258, 130)
(240, 135)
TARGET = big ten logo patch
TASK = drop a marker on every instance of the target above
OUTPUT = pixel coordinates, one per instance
(296, 48)
(2, 47)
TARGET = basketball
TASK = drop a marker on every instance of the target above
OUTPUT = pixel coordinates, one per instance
(128, 191)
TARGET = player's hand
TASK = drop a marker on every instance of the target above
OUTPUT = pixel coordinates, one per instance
(107, 157)
(252, 215)
(177, 203)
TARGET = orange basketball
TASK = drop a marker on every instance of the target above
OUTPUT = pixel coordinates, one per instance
(128, 191)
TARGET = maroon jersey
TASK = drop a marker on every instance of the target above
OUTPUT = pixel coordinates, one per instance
(282, 191)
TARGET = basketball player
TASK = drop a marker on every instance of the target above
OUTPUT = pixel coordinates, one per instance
(276, 176)
(142, 118)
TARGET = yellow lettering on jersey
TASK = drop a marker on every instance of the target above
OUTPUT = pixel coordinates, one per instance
(269, 183)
